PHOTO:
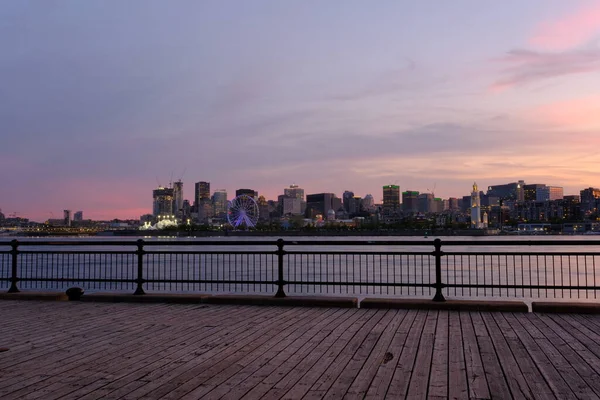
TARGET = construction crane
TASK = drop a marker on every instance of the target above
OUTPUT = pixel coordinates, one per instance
(432, 191)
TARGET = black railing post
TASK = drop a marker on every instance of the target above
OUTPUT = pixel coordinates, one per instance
(438, 270)
(140, 269)
(13, 278)
(280, 281)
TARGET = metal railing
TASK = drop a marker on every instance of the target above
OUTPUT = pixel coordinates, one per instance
(497, 268)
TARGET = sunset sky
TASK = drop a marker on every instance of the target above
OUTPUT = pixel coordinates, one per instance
(101, 100)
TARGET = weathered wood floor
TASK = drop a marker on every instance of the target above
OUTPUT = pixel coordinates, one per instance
(71, 350)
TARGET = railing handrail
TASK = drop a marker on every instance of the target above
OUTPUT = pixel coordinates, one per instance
(319, 243)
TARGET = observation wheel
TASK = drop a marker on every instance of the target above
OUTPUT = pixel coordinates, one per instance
(242, 212)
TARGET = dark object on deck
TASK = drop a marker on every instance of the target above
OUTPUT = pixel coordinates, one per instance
(75, 293)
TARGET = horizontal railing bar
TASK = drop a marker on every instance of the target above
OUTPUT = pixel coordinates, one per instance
(213, 281)
(76, 280)
(130, 252)
(320, 283)
(489, 286)
(210, 252)
(362, 253)
(515, 253)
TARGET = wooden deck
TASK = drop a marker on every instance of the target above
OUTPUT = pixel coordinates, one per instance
(73, 350)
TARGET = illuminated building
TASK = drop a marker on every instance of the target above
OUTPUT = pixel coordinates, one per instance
(67, 217)
(319, 203)
(247, 192)
(475, 209)
(220, 202)
(510, 191)
(163, 201)
(590, 198)
(549, 193)
(391, 197)
(201, 192)
(178, 198)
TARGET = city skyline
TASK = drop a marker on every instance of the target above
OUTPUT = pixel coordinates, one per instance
(100, 98)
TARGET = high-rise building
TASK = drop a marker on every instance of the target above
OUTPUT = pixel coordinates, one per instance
(220, 203)
(475, 208)
(319, 203)
(410, 201)
(368, 203)
(201, 192)
(453, 203)
(549, 193)
(163, 201)
(347, 199)
(78, 216)
(589, 200)
(530, 191)
(354, 205)
(294, 191)
(178, 198)
(247, 192)
(425, 202)
(67, 217)
(391, 197)
(510, 191)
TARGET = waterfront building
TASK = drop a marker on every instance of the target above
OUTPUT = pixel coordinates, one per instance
(78, 216)
(530, 191)
(475, 209)
(549, 193)
(294, 191)
(220, 204)
(201, 192)
(162, 201)
(178, 198)
(248, 192)
(425, 203)
(319, 204)
(410, 202)
(589, 201)
(391, 197)
(67, 217)
(368, 203)
(510, 191)
(453, 203)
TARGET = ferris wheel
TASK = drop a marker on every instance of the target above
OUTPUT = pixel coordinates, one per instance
(242, 212)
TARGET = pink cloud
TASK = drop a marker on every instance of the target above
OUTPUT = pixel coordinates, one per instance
(577, 114)
(569, 31)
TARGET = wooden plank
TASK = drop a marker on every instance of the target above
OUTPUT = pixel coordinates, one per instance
(531, 373)
(457, 370)
(235, 388)
(260, 356)
(379, 356)
(404, 369)
(325, 365)
(546, 367)
(494, 374)
(337, 366)
(576, 364)
(300, 372)
(383, 377)
(510, 366)
(438, 381)
(478, 387)
(352, 369)
(422, 368)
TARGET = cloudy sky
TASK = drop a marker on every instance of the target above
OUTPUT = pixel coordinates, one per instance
(101, 100)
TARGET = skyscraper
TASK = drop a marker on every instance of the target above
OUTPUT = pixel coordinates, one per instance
(410, 201)
(347, 199)
(475, 208)
(78, 216)
(248, 192)
(391, 197)
(319, 203)
(294, 191)
(510, 191)
(178, 198)
(201, 192)
(589, 200)
(67, 217)
(163, 201)
(220, 203)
